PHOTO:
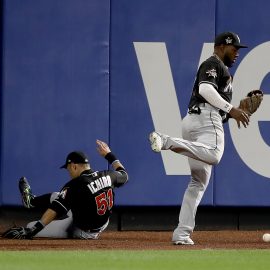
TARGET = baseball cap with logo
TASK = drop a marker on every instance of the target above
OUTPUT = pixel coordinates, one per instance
(229, 38)
(76, 157)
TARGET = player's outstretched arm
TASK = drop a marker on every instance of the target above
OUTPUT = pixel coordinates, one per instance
(105, 151)
(29, 233)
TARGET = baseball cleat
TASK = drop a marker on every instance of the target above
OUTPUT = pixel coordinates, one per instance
(26, 192)
(187, 241)
(156, 141)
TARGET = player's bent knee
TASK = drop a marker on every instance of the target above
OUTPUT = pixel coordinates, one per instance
(215, 160)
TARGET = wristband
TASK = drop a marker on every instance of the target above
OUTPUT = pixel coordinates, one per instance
(110, 157)
(227, 108)
(38, 226)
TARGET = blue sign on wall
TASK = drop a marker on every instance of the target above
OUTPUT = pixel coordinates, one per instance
(55, 89)
(116, 70)
(156, 79)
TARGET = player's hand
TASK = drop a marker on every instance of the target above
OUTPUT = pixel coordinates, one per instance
(103, 148)
(240, 116)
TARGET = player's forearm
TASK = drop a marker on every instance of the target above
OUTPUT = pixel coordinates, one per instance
(117, 165)
(122, 176)
(209, 93)
(48, 216)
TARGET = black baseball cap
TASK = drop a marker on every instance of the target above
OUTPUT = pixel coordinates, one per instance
(229, 38)
(76, 157)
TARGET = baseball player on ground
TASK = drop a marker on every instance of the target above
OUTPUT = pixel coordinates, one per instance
(203, 135)
(83, 206)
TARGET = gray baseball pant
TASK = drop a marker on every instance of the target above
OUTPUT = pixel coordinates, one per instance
(203, 144)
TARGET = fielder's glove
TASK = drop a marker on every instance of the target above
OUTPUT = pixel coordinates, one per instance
(22, 232)
(18, 233)
(252, 101)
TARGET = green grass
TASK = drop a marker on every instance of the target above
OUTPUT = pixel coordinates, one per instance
(110, 260)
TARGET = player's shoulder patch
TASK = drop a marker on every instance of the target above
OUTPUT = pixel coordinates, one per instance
(63, 193)
(211, 72)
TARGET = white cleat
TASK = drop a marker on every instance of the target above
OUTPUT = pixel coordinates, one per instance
(186, 241)
(156, 141)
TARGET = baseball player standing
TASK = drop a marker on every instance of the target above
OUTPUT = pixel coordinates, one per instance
(84, 205)
(203, 135)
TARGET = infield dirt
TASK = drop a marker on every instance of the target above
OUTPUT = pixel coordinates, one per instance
(142, 240)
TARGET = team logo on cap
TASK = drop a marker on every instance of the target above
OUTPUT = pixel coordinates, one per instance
(212, 73)
(228, 40)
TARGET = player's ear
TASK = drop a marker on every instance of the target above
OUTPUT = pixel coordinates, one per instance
(221, 47)
(73, 166)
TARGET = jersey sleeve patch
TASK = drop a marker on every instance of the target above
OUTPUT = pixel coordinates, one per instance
(211, 73)
(63, 193)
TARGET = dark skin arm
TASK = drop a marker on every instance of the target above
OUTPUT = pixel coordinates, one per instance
(240, 116)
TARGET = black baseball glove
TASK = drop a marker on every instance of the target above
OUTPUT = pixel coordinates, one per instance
(18, 233)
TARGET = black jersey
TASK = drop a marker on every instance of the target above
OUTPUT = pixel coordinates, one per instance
(90, 197)
(214, 72)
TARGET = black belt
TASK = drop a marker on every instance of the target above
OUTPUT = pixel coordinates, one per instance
(195, 109)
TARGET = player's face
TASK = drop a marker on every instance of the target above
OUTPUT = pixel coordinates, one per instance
(230, 55)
